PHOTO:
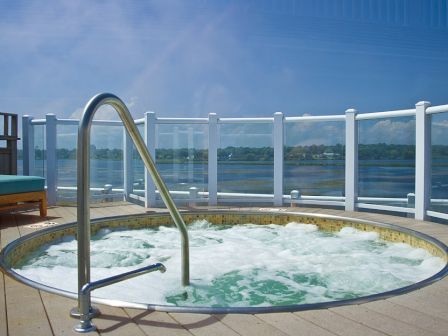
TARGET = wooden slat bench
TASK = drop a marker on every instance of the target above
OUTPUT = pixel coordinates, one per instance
(22, 191)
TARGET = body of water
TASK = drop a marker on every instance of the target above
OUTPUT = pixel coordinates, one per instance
(386, 178)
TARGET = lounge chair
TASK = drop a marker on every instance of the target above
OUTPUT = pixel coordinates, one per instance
(22, 191)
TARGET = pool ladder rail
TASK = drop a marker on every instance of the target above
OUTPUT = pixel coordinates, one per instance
(85, 322)
(84, 310)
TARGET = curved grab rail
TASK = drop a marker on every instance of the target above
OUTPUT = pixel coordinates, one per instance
(83, 193)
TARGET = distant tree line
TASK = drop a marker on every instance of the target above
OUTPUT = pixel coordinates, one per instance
(380, 151)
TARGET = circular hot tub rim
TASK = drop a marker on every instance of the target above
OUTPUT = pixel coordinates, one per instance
(226, 310)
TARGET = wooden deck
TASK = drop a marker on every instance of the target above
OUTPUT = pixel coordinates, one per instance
(27, 311)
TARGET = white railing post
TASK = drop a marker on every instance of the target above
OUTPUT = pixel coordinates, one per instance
(278, 158)
(27, 145)
(422, 159)
(150, 140)
(190, 148)
(351, 159)
(128, 177)
(52, 171)
(176, 165)
(213, 139)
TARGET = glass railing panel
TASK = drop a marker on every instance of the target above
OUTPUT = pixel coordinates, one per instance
(439, 163)
(39, 151)
(182, 157)
(138, 168)
(386, 154)
(66, 144)
(106, 156)
(245, 158)
(314, 158)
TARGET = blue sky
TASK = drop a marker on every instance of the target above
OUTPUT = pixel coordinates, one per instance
(235, 58)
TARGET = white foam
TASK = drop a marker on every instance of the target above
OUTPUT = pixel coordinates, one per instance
(288, 264)
(354, 234)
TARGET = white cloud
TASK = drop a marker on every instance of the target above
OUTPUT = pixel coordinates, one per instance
(440, 131)
(105, 112)
(389, 131)
(304, 133)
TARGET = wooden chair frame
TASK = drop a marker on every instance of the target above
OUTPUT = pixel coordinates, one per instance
(24, 200)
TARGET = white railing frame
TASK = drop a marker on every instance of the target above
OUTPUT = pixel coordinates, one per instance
(28, 145)
(50, 152)
(422, 159)
(278, 137)
(418, 204)
(213, 144)
(150, 141)
(351, 160)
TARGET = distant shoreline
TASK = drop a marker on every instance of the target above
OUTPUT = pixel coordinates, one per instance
(298, 155)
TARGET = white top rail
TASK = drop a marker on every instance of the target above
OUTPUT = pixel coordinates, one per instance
(38, 122)
(386, 114)
(67, 122)
(182, 120)
(75, 122)
(361, 116)
(245, 120)
(316, 118)
(437, 109)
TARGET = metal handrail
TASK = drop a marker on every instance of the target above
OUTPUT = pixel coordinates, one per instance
(85, 323)
(83, 192)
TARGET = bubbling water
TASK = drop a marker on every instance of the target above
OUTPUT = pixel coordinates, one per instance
(238, 265)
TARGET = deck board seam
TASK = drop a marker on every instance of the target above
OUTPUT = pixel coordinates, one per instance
(388, 317)
(228, 326)
(302, 319)
(331, 331)
(415, 310)
(4, 300)
(360, 322)
(418, 311)
(191, 332)
(46, 312)
(134, 321)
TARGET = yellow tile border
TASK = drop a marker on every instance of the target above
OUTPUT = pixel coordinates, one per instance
(323, 222)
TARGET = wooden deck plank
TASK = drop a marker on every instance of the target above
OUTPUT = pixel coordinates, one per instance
(99, 212)
(25, 310)
(117, 210)
(28, 224)
(426, 302)
(58, 309)
(10, 232)
(337, 324)
(423, 312)
(293, 325)
(379, 321)
(249, 325)
(203, 325)
(114, 321)
(410, 316)
(157, 323)
(61, 215)
(3, 318)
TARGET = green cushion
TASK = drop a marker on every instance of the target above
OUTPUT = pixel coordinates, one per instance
(13, 184)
